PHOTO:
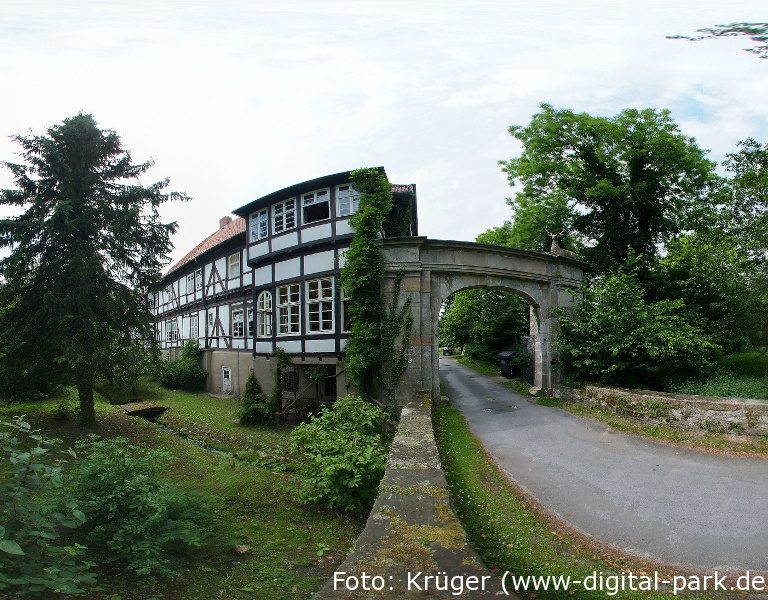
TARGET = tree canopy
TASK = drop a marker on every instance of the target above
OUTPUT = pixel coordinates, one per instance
(621, 186)
(88, 243)
(756, 32)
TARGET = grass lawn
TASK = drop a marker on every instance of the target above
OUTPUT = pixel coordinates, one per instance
(509, 532)
(293, 549)
(480, 366)
(492, 370)
(722, 443)
(742, 375)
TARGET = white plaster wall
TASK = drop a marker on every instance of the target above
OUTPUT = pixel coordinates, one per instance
(285, 241)
(318, 262)
(287, 269)
(320, 345)
(316, 232)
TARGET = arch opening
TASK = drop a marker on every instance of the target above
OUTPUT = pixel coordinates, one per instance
(479, 322)
(433, 271)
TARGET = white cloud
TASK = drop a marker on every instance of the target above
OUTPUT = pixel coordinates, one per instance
(235, 100)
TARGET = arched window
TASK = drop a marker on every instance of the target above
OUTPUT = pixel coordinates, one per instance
(264, 315)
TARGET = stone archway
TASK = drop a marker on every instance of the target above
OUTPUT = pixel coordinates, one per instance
(435, 269)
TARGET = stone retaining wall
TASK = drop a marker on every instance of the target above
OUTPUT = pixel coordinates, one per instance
(412, 528)
(729, 415)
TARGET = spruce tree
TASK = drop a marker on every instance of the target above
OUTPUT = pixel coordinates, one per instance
(86, 243)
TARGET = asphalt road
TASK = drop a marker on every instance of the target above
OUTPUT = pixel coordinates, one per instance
(670, 504)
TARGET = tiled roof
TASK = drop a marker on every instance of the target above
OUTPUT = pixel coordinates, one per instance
(236, 227)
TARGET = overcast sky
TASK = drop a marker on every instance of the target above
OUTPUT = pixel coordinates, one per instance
(234, 100)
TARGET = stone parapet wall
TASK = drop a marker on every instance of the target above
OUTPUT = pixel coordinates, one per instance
(412, 529)
(729, 415)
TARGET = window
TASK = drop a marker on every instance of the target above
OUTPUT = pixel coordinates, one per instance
(346, 321)
(151, 301)
(250, 323)
(194, 329)
(320, 305)
(315, 207)
(264, 315)
(190, 282)
(347, 200)
(259, 225)
(171, 330)
(199, 279)
(211, 322)
(288, 303)
(233, 266)
(237, 322)
(283, 216)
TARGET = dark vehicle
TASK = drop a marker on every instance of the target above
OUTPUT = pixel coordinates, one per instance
(447, 350)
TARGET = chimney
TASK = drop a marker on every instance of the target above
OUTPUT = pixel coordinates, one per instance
(224, 221)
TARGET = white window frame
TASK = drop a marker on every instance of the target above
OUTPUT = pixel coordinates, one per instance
(259, 228)
(238, 322)
(231, 264)
(171, 330)
(283, 215)
(210, 321)
(194, 332)
(312, 198)
(290, 308)
(264, 315)
(347, 205)
(324, 296)
(198, 279)
(249, 322)
(190, 282)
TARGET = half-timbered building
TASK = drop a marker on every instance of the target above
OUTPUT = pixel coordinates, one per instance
(268, 278)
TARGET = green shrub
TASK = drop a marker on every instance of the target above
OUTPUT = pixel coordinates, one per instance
(185, 373)
(255, 407)
(616, 337)
(134, 517)
(34, 560)
(345, 454)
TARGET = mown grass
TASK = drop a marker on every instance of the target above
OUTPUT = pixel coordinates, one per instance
(508, 532)
(741, 375)
(727, 385)
(480, 366)
(751, 364)
(698, 439)
(492, 370)
(293, 549)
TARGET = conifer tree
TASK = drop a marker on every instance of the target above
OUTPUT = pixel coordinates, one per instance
(86, 242)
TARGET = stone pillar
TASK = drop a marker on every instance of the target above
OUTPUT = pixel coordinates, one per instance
(436, 304)
(419, 353)
(541, 332)
(426, 328)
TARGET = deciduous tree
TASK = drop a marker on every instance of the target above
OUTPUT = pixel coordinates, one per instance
(88, 241)
(624, 185)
